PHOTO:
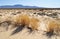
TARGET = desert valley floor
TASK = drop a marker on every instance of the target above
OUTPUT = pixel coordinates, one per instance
(18, 24)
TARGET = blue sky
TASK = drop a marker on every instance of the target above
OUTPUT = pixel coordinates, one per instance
(39, 3)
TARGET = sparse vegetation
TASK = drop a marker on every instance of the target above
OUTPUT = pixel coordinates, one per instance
(53, 27)
(26, 20)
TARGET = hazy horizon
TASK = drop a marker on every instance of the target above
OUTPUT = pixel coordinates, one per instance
(39, 3)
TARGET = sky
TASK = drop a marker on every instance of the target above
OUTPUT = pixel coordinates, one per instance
(39, 3)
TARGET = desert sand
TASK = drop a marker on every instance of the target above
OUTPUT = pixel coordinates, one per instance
(6, 31)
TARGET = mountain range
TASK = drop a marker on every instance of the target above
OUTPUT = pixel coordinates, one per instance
(18, 6)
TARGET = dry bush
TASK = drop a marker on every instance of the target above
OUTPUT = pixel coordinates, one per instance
(25, 20)
(53, 27)
(22, 19)
(34, 23)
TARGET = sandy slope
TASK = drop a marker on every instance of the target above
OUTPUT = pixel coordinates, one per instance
(24, 34)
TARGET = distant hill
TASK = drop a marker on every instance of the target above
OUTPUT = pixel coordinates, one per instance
(18, 6)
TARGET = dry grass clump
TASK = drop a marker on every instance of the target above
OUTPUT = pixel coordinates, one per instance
(53, 27)
(25, 20)
(34, 23)
(21, 20)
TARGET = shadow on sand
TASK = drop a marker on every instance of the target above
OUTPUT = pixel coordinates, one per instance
(18, 29)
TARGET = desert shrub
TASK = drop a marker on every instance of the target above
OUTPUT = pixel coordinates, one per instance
(42, 14)
(21, 20)
(25, 20)
(34, 23)
(53, 15)
(53, 27)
